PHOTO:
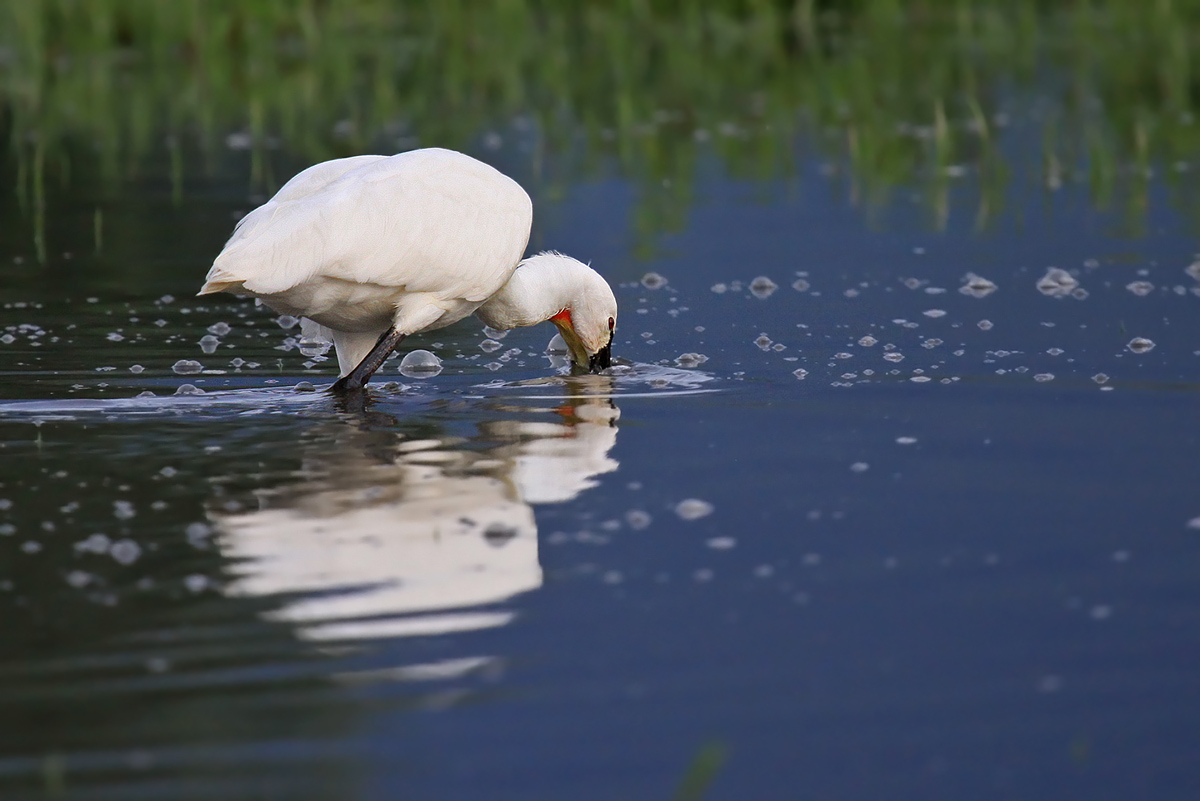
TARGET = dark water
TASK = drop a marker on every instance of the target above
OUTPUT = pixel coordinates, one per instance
(955, 559)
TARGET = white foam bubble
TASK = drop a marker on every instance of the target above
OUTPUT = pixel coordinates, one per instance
(762, 287)
(196, 582)
(125, 551)
(689, 360)
(1140, 345)
(637, 519)
(976, 286)
(494, 333)
(198, 534)
(1057, 283)
(187, 367)
(693, 509)
(420, 364)
(79, 578)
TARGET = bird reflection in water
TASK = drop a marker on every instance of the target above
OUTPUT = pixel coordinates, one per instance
(392, 535)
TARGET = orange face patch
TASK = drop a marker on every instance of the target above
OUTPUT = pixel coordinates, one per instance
(564, 317)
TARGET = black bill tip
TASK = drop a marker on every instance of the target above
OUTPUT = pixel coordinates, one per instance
(602, 359)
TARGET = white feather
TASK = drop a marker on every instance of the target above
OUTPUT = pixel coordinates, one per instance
(358, 245)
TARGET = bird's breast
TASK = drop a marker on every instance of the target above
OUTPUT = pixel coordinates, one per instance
(365, 307)
(338, 304)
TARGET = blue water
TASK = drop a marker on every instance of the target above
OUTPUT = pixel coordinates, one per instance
(965, 572)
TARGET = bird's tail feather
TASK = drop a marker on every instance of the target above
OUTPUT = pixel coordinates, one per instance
(219, 280)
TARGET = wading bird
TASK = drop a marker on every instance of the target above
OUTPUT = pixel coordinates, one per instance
(374, 248)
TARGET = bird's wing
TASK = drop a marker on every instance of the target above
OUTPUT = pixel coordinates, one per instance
(319, 176)
(425, 221)
(308, 182)
(224, 273)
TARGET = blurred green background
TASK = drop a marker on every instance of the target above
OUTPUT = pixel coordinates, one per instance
(890, 93)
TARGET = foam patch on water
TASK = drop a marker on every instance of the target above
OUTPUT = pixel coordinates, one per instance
(150, 404)
(621, 380)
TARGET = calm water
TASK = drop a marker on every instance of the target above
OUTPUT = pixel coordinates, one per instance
(893, 532)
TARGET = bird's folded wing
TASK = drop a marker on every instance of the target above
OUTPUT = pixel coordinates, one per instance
(440, 223)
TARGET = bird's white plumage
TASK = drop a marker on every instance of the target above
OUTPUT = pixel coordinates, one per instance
(415, 241)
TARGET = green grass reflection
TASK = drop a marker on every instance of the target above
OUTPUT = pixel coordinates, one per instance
(895, 94)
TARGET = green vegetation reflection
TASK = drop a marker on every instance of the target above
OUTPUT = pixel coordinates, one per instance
(888, 94)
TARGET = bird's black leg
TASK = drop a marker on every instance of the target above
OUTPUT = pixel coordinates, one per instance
(357, 378)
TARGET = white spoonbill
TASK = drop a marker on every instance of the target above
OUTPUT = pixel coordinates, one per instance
(374, 248)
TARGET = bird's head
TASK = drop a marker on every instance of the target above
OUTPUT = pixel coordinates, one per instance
(590, 344)
(569, 293)
(588, 323)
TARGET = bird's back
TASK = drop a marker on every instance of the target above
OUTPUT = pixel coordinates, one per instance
(428, 221)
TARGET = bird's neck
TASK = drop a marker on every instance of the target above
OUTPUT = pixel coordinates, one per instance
(531, 296)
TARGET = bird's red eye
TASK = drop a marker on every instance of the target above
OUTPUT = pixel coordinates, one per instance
(611, 323)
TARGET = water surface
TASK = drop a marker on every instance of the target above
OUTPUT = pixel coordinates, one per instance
(881, 509)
